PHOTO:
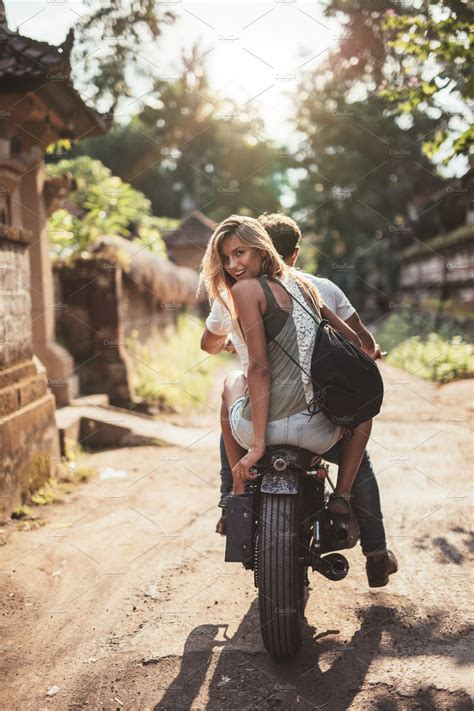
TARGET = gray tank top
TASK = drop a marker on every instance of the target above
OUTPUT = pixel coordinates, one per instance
(290, 390)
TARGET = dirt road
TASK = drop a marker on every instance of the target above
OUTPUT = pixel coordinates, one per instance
(123, 601)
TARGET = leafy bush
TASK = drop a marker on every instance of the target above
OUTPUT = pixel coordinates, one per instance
(104, 205)
(172, 372)
(434, 358)
(398, 327)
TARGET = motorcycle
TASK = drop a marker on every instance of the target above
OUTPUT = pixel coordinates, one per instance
(279, 529)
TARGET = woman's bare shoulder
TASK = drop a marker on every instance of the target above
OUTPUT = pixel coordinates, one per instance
(246, 288)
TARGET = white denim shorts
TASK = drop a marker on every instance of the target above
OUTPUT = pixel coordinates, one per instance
(317, 434)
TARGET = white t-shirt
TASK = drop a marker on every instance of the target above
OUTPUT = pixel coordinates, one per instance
(220, 323)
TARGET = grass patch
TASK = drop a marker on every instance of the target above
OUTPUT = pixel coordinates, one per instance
(434, 358)
(23, 512)
(51, 492)
(440, 355)
(70, 472)
(172, 373)
(76, 472)
(73, 450)
(55, 489)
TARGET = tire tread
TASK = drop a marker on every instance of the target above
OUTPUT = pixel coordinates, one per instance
(280, 583)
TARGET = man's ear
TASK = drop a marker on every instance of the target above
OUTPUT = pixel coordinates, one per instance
(293, 257)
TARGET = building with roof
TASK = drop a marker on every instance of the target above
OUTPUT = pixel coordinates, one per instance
(436, 250)
(187, 243)
(38, 106)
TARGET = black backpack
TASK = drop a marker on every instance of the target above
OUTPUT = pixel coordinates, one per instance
(347, 384)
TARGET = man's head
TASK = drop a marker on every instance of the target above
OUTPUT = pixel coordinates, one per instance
(285, 235)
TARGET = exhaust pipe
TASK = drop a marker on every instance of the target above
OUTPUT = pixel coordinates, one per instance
(342, 532)
(338, 535)
(333, 566)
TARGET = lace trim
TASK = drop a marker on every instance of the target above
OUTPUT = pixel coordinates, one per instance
(305, 335)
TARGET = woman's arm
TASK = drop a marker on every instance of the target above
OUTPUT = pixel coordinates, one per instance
(249, 301)
(340, 325)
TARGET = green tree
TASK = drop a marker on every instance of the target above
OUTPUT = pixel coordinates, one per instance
(431, 56)
(112, 38)
(100, 204)
(188, 148)
(360, 167)
(418, 56)
(361, 163)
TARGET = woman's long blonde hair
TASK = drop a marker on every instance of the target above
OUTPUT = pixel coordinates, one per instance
(218, 281)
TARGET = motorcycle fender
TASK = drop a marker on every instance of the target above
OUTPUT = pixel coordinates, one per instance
(279, 483)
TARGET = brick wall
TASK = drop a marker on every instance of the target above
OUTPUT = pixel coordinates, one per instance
(141, 314)
(16, 337)
(29, 442)
(98, 307)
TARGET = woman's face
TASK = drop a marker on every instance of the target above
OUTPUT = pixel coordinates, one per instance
(239, 260)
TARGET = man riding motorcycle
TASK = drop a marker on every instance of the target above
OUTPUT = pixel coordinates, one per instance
(285, 235)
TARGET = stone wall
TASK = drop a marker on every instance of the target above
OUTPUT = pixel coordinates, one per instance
(140, 313)
(122, 291)
(29, 442)
(16, 340)
(89, 322)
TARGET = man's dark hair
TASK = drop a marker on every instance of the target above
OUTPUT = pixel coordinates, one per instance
(283, 231)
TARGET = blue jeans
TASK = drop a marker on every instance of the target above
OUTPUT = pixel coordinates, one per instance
(365, 498)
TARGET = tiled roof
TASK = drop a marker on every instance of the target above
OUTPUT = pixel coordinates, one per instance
(27, 64)
(22, 57)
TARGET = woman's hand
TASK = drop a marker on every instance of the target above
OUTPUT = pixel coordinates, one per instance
(241, 472)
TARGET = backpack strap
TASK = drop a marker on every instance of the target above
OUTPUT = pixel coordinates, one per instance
(275, 317)
(268, 292)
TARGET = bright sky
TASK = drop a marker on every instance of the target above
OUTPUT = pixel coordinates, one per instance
(255, 51)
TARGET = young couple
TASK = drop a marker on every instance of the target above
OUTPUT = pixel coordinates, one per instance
(258, 297)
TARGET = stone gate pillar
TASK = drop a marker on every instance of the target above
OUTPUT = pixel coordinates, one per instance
(58, 362)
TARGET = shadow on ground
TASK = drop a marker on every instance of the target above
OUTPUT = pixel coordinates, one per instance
(255, 681)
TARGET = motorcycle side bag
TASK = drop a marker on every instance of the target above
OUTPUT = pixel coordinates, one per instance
(238, 548)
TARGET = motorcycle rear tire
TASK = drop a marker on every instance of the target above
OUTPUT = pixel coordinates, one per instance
(281, 575)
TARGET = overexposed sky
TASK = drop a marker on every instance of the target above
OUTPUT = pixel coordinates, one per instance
(254, 51)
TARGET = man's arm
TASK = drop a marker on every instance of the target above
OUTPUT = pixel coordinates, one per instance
(212, 342)
(216, 329)
(342, 307)
(340, 325)
(369, 344)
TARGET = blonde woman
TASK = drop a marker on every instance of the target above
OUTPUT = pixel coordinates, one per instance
(270, 406)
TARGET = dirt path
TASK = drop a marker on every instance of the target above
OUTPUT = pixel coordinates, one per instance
(123, 600)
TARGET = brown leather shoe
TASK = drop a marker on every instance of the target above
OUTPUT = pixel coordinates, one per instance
(379, 567)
